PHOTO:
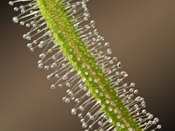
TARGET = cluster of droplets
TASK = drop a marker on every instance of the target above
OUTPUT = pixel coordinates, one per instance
(94, 116)
(29, 11)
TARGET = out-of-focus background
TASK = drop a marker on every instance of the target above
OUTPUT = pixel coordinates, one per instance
(140, 33)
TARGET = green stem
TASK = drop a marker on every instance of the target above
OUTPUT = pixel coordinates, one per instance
(53, 11)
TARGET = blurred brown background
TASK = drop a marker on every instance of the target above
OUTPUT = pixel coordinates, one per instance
(140, 33)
